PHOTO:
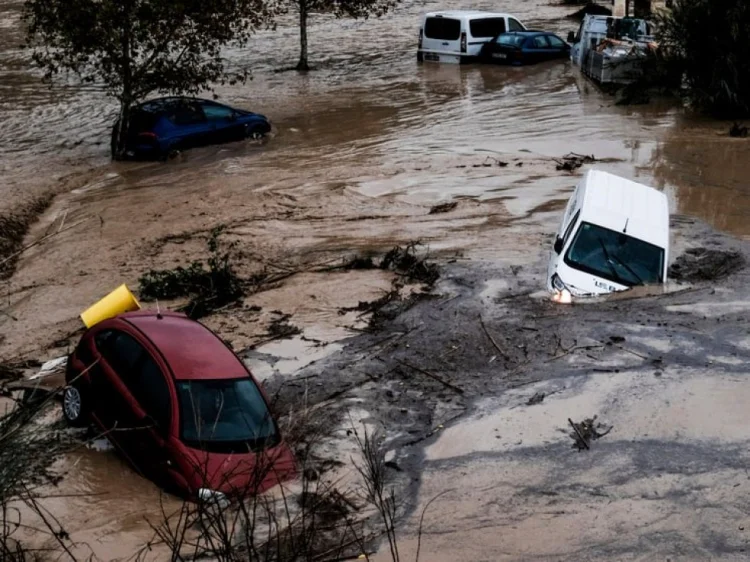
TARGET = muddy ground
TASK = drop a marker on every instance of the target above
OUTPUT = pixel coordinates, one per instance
(452, 379)
(473, 382)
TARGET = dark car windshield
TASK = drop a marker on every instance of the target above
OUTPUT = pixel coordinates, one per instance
(512, 40)
(225, 415)
(615, 256)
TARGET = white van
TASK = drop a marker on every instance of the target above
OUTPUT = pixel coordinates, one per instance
(458, 36)
(614, 235)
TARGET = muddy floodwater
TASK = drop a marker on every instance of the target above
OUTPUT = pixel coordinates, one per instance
(362, 148)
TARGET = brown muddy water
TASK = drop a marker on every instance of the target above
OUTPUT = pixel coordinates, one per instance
(362, 148)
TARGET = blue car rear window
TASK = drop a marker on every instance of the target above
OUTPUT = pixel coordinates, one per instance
(512, 40)
(143, 121)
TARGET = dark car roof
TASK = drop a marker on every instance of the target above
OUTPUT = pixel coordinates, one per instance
(157, 105)
(190, 349)
(527, 33)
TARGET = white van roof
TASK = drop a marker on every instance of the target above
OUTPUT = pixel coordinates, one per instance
(466, 14)
(614, 202)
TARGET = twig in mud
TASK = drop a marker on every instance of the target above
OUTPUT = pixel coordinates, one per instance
(578, 433)
(434, 377)
(421, 521)
(499, 349)
(572, 349)
(62, 222)
(626, 350)
(40, 240)
(9, 315)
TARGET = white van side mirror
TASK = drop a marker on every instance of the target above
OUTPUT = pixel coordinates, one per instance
(558, 245)
(571, 37)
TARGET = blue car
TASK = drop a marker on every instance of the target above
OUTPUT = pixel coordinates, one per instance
(162, 126)
(524, 47)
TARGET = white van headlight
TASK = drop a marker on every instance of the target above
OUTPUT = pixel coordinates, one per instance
(557, 283)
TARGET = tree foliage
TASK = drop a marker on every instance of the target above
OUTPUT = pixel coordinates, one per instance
(339, 8)
(137, 47)
(708, 41)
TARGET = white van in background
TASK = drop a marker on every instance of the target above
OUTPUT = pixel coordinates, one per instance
(614, 235)
(458, 36)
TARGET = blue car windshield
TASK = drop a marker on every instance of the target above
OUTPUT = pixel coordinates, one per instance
(221, 414)
(615, 256)
(512, 40)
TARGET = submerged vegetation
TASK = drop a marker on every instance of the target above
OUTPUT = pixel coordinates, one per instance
(209, 286)
(704, 48)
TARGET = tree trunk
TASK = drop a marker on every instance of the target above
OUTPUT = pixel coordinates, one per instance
(302, 64)
(120, 131)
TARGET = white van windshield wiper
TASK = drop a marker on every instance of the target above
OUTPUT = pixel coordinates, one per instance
(608, 260)
(630, 269)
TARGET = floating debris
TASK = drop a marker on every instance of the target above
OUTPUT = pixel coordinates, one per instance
(573, 161)
(538, 398)
(443, 207)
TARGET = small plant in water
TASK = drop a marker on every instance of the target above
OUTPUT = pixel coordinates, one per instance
(209, 286)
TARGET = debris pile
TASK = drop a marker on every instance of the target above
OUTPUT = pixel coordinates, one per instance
(573, 161)
(405, 262)
(703, 264)
(586, 431)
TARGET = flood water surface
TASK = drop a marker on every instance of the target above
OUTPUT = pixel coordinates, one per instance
(369, 116)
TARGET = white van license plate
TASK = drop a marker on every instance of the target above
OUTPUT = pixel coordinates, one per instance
(499, 56)
(431, 57)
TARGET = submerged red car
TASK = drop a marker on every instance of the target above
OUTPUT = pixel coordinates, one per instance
(178, 404)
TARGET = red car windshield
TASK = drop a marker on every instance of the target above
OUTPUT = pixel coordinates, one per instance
(225, 416)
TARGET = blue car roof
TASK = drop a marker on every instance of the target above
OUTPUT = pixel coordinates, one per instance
(157, 105)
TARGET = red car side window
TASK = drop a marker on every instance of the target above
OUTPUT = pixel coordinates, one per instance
(152, 392)
(140, 374)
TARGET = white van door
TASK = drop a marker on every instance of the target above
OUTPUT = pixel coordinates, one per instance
(563, 234)
(441, 35)
(482, 29)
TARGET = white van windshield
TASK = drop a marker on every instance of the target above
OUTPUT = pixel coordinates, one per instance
(445, 29)
(487, 27)
(615, 256)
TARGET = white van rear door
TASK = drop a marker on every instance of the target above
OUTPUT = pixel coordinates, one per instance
(482, 29)
(441, 35)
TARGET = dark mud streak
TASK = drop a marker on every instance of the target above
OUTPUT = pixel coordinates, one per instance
(13, 228)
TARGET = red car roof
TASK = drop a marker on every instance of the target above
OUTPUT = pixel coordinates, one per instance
(191, 350)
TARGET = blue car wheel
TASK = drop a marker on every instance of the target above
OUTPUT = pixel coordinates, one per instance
(255, 132)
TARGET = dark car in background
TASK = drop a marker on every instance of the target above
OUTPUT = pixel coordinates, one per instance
(524, 47)
(162, 126)
(178, 404)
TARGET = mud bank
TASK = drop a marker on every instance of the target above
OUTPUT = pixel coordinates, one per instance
(666, 370)
(448, 378)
